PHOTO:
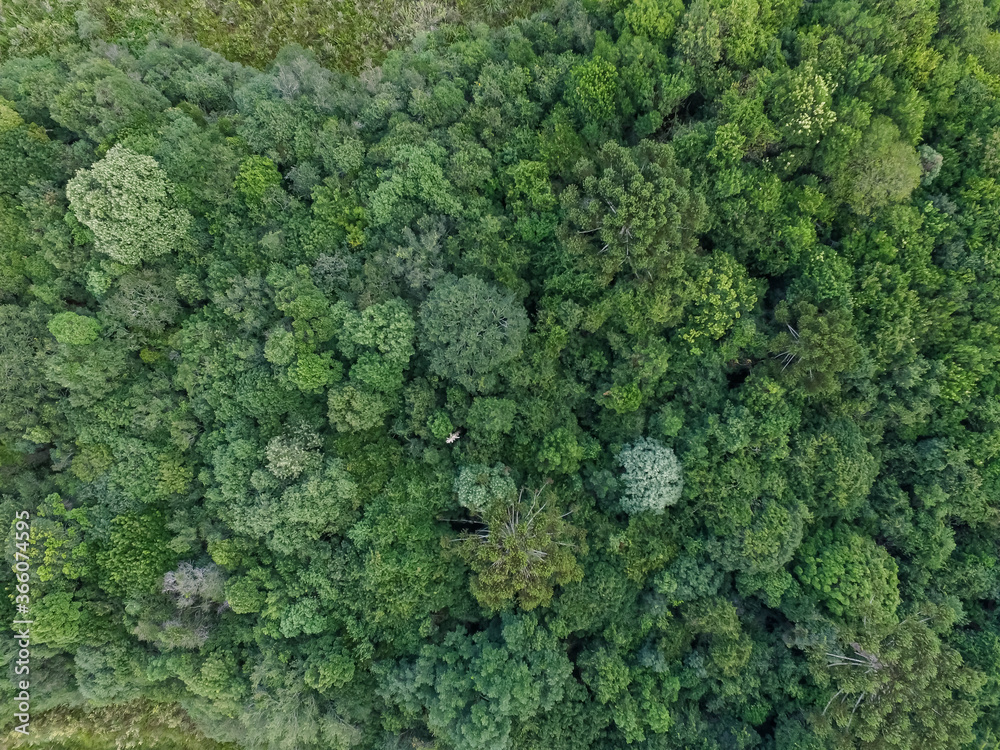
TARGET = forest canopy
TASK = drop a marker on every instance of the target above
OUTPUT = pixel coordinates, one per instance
(622, 376)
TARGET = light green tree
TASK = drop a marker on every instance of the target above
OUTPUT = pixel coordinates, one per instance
(127, 201)
(478, 487)
(70, 328)
(654, 18)
(652, 477)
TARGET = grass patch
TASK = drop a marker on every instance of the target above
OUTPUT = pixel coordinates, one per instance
(345, 34)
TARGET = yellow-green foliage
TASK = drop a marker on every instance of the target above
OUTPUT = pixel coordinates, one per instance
(523, 550)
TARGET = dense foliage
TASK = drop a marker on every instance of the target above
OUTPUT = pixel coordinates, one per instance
(624, 376)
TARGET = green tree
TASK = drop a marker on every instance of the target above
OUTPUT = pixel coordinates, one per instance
(595, 89)
(852, 575)
(137, 554)
(470, 330)
(699, 40)
(654, 18)
(817, 348)
(26, 152)
(899, 687)
(480, 487)
(492, 415)
(477, 691)
(101, 101)
(635, 211)
(881, 170)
